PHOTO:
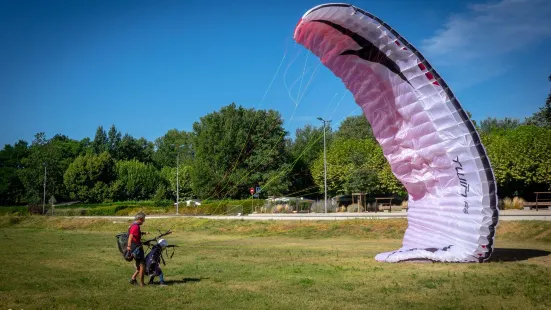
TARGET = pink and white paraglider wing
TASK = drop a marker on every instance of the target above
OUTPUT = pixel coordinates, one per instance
(428, 139)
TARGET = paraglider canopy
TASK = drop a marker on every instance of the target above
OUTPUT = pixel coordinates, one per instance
(426, 136)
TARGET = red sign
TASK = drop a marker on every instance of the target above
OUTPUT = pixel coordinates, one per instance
(251, 190)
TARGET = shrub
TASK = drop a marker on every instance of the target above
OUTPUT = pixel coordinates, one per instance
(70, 212)
(34, 209)
(518, 203)
(319, 207)
(354, 208)
(160, 198)
(510, 204)
(267, 208)
(165, 203)
(15, 220)
(371, 207)
(111, 210)
(17, 211)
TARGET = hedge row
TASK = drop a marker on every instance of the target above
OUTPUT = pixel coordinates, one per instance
(14, 211)
(221, 207)
(133, 203)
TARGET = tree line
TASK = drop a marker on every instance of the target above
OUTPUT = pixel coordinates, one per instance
(234, 148)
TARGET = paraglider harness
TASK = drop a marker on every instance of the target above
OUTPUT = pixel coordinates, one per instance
(122, 242)
(153, 258)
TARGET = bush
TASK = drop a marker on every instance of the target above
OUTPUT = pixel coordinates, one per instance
(14, 220)
(319, 207)
(267, 208)
(17, 211)
(371, 207)
(70, 212)
(220, 207)
(160, 198)
(111, 210)
(354, 208)
(129, 211)
(511, 204)
(34, 209)
(165, 203)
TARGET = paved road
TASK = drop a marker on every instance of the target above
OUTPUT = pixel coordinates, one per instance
(505, 215)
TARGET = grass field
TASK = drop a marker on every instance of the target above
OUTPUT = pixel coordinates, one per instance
(53, 263)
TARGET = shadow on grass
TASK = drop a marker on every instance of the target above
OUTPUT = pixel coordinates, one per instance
(513, 255)
(184, 280)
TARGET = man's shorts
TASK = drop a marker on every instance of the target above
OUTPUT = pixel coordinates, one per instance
(139, 256)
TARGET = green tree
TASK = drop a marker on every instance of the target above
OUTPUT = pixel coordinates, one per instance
(520, 159)
(168, 146)
(308, 143)
(303, 151)
(492, 124)
(184, 181)
(55, 154)
(354, 164)
(86, 146)
(136, 180)
(11, 161)
(101, 141)
(361, 180)
(236, 148)
(138, 149)
(114, 141)
(277, 182)
(542, 118)
(89, 177)
(355, 127)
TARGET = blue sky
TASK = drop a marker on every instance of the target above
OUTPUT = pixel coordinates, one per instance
(150, 66)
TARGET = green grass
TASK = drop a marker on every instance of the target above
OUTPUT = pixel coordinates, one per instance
(74, 264)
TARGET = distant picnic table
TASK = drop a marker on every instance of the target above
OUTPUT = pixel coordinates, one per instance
(383, 201)
(540, 201)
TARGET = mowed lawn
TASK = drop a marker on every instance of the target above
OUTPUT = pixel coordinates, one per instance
(74, 264)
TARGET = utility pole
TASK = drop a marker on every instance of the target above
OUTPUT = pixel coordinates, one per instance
(177, 181)
(324, 162)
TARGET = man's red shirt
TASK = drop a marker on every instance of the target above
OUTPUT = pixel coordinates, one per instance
(136, 233)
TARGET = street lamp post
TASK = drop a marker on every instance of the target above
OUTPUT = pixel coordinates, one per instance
(177, 177)
(44, 200)
(177, 181)
(324, 162)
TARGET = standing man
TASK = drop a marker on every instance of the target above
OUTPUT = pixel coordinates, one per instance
(135, 247)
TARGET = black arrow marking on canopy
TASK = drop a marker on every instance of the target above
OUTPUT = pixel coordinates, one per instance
(368, 51)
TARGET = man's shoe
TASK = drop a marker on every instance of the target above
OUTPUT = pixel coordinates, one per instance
(133, 282)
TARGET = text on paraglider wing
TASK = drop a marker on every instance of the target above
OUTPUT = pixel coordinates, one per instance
(464, 185)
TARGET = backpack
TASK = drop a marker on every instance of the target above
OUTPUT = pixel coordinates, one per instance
(122, 242)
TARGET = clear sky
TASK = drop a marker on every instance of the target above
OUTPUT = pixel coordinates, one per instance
(150, 66)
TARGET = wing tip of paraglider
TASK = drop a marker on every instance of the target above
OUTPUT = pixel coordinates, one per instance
(317, 7)
(296, 28)
(320, 6)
